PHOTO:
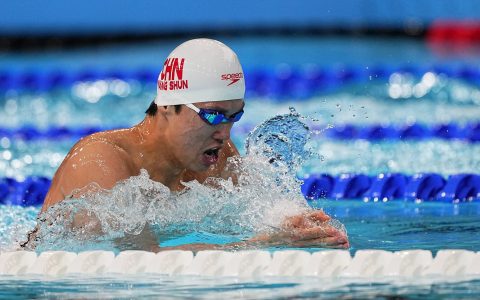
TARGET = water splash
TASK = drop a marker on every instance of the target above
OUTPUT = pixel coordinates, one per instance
(15, 221)
(281, 139)
(266, 192)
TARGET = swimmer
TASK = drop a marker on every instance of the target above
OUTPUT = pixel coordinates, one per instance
(184, 136)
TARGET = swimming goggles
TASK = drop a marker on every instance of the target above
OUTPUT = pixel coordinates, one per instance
(214, 117)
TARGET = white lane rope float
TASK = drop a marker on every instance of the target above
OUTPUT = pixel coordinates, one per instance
(369, 265)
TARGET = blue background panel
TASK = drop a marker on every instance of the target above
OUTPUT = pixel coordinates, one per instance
(129, 16)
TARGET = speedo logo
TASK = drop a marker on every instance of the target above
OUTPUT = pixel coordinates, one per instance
(233, 77)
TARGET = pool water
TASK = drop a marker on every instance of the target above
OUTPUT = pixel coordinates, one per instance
(215, 288)
(42, 156)
(392, 225)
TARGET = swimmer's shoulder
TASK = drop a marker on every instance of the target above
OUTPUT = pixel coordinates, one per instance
(96, 159)
(108, 149)
(105, 144)
(109, 137)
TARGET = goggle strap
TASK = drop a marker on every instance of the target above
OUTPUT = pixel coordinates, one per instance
(191, 106)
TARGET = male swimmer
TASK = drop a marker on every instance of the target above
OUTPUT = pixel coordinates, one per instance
(185, 135)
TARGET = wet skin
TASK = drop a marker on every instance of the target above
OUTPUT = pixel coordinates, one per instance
(171, 147)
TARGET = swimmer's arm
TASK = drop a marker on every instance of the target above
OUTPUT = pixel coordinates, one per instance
(95, 167)
(88, 167)
(305, 230)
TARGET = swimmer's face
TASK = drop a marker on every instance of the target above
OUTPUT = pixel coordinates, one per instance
(195, 143)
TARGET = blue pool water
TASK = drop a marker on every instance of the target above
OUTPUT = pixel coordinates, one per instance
(393, 225)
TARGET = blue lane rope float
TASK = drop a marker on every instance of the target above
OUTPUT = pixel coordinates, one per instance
(374, 132)
(424, 186)
(380, 188)
(281, 82)
(384, 187)
(29, 192)
(349, 186)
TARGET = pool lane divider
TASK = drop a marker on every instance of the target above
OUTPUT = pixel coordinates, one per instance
(393, 186)
(373, 265)
(373, 132)
(380, 188)
(281, 82)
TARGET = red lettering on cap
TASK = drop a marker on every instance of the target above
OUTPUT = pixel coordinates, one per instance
(173, 69)
(171, 77)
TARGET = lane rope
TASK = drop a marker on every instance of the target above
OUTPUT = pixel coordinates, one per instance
(374, 265)
(281, 82)
(379, 188)
(374, 132)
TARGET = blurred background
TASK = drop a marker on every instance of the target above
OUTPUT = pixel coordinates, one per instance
(125, 34)
(374, 77)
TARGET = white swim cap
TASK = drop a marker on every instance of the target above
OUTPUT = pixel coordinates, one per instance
(200, 70)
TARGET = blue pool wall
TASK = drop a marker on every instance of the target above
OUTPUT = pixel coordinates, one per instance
(109, 16)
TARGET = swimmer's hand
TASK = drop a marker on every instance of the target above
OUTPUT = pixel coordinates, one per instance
(306, 230)
(311, 229)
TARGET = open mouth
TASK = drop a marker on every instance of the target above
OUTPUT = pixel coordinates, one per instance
(210, 156)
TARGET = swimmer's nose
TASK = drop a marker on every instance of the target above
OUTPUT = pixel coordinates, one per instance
(223, 131)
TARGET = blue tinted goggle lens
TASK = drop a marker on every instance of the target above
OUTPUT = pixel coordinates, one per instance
(214, 117)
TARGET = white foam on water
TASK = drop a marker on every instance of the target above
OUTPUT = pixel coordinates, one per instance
(16, 221)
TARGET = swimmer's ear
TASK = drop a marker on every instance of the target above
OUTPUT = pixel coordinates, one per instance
(166, 111)
(163, 109)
